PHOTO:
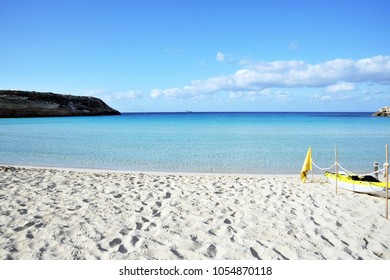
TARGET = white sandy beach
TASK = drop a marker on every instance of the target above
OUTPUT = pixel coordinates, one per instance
(68, 214)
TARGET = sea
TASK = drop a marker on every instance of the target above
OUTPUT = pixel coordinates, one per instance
(192, 142)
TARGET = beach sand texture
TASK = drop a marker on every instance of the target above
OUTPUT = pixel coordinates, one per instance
(67, 214)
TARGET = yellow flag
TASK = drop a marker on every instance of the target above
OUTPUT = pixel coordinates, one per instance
(306, 166)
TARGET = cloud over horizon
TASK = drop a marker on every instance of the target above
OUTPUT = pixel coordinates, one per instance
(220, 57)
(109, 96)
(340, 87)
(333, 75)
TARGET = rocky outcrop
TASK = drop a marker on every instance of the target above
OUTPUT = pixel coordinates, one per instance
(382, 112)
(15, 103)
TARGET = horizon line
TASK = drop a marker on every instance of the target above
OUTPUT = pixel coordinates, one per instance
(191, 112)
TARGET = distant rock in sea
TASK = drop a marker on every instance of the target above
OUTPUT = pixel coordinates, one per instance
(16, 103)
(382, 112)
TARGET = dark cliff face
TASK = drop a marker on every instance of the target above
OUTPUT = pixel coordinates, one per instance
(15, 103)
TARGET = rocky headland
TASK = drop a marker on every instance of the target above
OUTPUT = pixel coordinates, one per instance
(382, 112)
(15, 103)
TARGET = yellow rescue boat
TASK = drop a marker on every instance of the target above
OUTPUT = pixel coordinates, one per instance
(362, 184)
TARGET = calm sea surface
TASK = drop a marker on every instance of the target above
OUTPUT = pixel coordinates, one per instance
(262, 143)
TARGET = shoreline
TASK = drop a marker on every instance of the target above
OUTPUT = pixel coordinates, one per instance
(121, 171)
(62, 214)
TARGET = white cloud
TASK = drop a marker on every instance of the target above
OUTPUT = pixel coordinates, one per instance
(326, 98)
(220, 57)
(282, 94)
(331, 98)
(109, 96)
(129, 95)
(338, 74)
(235, 94)
(156, 93)
(345, 97)
(340, 87)
(96, 92)
(376, 91)
(249, 95)
(323, 98)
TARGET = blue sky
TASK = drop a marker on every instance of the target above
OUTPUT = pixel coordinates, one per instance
(214, 55)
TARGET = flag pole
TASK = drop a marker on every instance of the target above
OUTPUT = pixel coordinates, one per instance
(336, 165)
(311, 167)
(387, 181)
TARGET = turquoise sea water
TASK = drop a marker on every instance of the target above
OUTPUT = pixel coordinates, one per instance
(262, 143)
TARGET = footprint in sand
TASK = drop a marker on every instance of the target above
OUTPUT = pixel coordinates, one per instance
(155, 213)
(30, 224)
(280, 254)
(151, 225)
(212, 251)
(78, 207)
(115, 242)
(101, 248)
(22, 211)
(134, 240)
(327, 240)
(125, 231)
(122, 249)
(315, 223)
(177, 254)
(254, 253)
